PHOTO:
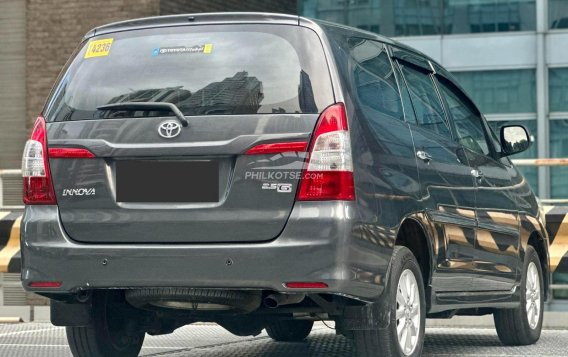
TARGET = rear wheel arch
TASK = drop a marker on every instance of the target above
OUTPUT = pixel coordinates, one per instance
(412, 235)
(541, 247)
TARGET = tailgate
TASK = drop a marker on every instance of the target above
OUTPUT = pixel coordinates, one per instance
(242, 211)
(154, 181)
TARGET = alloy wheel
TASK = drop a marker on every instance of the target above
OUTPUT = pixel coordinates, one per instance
(532, 294)
(407, 312)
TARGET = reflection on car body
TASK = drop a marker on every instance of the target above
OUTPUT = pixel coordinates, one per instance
(266, 171)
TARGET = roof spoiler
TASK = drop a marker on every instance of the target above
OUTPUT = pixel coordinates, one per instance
(196, 19)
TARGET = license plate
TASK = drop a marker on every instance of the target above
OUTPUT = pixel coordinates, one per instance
(167, 181)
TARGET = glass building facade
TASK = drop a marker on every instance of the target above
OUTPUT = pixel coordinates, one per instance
(426, 17)
(511, 56)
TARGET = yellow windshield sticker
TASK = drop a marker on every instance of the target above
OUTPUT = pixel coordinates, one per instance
(99, 48)
(208, 48)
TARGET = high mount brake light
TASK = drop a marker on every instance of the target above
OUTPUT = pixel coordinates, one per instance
(328, 173)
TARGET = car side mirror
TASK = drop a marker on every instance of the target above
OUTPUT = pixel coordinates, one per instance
(514, 139)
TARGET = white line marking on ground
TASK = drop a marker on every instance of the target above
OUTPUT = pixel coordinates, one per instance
(66, 346)
(162, 347)
(30, 345)
(28, 331)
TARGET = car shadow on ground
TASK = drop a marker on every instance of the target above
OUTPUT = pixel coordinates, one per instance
(323, 342)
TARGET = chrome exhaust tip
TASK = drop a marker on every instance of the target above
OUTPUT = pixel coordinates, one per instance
(273, 301)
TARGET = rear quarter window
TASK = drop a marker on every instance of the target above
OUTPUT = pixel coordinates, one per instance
(204, 70)
(374, 80)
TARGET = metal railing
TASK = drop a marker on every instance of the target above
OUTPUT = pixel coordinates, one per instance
(545, 162)
(541, 162)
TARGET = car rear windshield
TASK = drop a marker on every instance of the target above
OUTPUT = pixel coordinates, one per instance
(203, 70)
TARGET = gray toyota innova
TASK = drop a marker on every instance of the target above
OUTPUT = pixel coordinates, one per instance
(266, 171)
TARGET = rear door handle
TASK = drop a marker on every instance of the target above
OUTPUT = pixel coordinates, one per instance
(478, 174)
(424, 156)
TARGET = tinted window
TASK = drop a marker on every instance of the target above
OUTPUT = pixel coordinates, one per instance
(374, 80)
(204, 70)
(427, 105)
(406, 101)
(467, 120)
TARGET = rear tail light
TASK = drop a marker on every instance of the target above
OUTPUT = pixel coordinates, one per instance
(328, 174)
(38, 186)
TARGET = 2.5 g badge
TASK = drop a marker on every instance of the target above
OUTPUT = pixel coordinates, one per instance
(279, 187)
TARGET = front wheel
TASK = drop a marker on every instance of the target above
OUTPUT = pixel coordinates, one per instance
(405, 334)
(110, 333)
(523, 325)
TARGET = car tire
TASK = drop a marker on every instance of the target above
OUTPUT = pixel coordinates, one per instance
(289, 330)
(109, 334)
(405, 289)
(522, 325)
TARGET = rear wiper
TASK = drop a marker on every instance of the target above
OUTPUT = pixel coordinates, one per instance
(158, 106)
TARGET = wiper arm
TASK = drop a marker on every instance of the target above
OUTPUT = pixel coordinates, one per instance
(159, 106)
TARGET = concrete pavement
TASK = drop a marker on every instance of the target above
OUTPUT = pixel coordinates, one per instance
(45, 340)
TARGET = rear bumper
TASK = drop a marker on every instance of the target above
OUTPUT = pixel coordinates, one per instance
(320, 243)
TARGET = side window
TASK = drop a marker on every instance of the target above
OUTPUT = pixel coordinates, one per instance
(427, 105)
(467, 119)
(405, 95)
(374, 80)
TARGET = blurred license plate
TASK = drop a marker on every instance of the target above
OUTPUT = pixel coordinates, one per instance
(167, 181)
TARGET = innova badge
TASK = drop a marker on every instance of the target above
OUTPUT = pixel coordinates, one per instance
(169, 129)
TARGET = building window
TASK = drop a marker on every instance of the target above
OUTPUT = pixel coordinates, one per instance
(558, 102)
(499, 92)
(558, 14)
(388, 17)
(530, 172)
(426, 17)
(489, 16)
(558, 89)
(416, 17)
(558, 149)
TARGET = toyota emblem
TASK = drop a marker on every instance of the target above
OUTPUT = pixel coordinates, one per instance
(169, 129)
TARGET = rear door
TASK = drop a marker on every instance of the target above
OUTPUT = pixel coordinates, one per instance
(448, 191)
(238, 86)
